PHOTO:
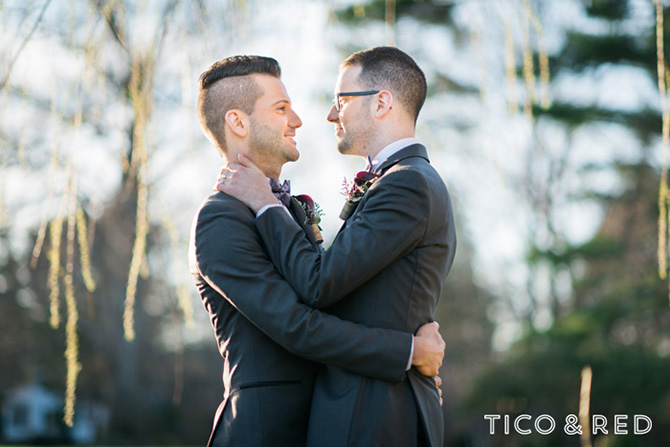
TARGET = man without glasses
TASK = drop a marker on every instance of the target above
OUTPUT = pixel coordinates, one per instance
(267, 338)
(387, 264)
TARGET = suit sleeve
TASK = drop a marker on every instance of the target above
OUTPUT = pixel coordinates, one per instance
(230, 257)
(391, 223)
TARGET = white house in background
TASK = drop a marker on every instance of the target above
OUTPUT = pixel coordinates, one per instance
(35, 413)
(32, 412)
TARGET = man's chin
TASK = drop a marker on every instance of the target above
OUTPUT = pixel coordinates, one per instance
(344, 149)
(293, 155)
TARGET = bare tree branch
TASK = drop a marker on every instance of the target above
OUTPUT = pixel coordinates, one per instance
(111, 22)
(167, 14)
(23, 44)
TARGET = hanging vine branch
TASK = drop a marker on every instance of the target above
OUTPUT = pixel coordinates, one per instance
(663, 187)
(139, 90)
(56, 229)
(140, 93)
(84, 252)
(510, 70)
(54, 257)
(73, 367)
(542, 52)
(585, 406)
(528, 71)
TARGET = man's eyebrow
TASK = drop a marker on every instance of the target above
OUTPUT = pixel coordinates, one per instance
(280, 101)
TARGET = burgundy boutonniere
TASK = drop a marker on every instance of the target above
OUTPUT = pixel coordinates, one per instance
(313, 213)
(355, 191)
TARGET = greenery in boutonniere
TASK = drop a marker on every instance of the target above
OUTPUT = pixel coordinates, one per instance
(313, 214)
(355, 191)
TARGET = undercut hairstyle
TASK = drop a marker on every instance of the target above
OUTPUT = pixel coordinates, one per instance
(388, 68)
(227, 85)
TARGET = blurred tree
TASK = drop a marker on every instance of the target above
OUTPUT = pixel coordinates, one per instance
(467, 332)
(618, 325)
(79, 93)
(138, 382)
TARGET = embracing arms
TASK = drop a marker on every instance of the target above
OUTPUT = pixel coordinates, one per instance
(228, 255)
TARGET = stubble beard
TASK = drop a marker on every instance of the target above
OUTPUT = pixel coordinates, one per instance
(356, 141)
(344, 145)
(269, 148)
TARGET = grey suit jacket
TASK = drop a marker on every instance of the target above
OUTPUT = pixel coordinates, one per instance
(385, 269)
(264, 334)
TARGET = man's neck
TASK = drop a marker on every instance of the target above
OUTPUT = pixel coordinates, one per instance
(269, 171)
(384, 141)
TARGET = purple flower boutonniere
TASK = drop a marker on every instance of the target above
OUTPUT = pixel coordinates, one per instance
(313, 213)
(355, 191)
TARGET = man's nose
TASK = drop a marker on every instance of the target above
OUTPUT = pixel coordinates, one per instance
(333, 116)
(295, 121)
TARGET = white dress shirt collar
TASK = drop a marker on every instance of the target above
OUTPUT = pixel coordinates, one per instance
(391, 149)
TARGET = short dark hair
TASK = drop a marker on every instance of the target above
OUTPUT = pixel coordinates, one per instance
(394, 70)
(227, 85)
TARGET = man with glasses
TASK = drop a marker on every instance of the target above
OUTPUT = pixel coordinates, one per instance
(388, 262)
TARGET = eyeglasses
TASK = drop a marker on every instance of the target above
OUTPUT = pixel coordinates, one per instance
(336, 99)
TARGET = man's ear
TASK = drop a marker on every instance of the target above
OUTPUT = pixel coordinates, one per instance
(237, 122)
(384, 103)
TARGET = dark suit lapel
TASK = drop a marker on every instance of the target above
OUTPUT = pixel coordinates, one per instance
(414, 150)
(299, 216)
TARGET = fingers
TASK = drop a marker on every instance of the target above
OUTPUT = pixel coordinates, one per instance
(226, 175)
(221, 179)
(438, 384)
(230, 166)
(429, 329)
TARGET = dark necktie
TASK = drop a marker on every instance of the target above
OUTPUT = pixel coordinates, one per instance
(282, 191)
